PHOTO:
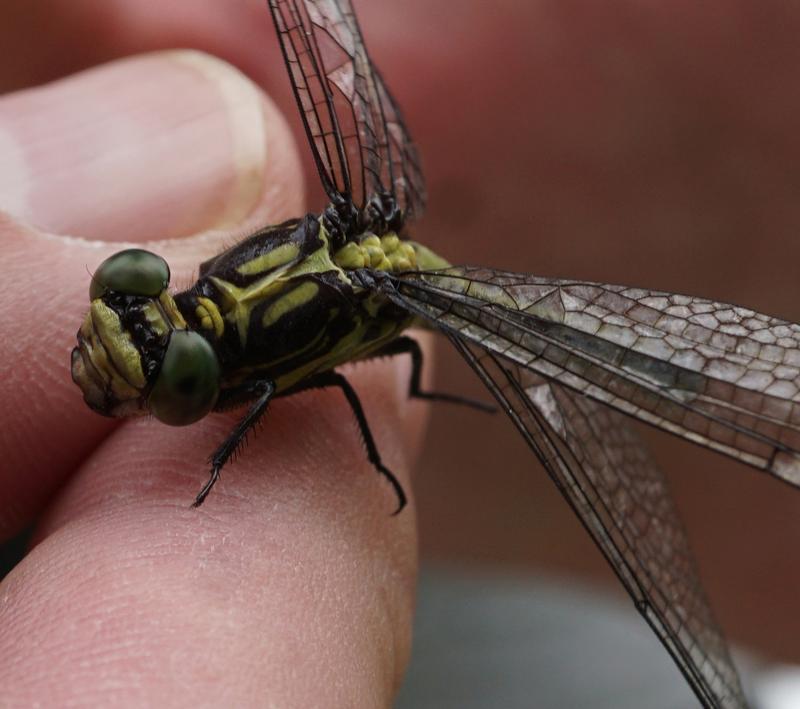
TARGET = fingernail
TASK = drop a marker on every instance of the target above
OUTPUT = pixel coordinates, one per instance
(158, 146)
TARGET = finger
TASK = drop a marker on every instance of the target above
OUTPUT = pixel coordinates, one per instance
(95, 149)
(293, 582)
(157, 147)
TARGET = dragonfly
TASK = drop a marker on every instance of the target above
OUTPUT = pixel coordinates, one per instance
(572, 363)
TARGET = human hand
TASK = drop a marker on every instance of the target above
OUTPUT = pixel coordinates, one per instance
(292, 585)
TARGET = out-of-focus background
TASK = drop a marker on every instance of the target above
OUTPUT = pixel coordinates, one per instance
(624, 141)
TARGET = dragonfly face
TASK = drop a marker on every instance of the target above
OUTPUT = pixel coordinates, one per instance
(135, 354)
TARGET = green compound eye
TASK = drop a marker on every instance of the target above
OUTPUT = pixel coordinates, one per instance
(188, 383)
(131, 272)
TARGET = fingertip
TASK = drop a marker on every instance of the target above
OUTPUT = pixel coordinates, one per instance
(152, 147)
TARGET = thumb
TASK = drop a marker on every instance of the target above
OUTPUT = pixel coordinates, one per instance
(155, 147)
(160, 146)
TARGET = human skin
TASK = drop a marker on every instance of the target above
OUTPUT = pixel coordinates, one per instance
(293, 584)
(644, 143)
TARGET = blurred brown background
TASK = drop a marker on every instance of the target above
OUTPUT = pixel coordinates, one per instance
(626, 141)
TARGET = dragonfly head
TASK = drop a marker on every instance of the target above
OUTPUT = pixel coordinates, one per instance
(135, 352)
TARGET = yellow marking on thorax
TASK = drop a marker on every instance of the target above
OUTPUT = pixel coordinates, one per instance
(351, 347)
(209, 316)
(117, 344)
(385, 253)
(238, 302)
(241, 373)
(279, 256)
(318, 262)
(293, 299)
(427, 260)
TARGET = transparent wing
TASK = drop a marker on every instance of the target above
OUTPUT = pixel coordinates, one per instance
(608, 478)
(405, 171)
(715, 374)
(361, 146)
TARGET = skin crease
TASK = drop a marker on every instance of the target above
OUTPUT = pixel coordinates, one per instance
(627, 141)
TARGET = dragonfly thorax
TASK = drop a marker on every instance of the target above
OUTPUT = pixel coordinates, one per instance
(282, 305)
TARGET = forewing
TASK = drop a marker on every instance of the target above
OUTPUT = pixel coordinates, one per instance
(360, 144)
(718, 375)
(609, 479)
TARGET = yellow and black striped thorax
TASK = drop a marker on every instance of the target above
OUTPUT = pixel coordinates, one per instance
(281, 304)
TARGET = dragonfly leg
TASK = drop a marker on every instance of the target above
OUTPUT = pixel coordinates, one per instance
(334, 379)
(262, 391)
(408, 345)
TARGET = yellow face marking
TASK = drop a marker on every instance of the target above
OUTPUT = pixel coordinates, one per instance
(293, 299)
(209, 316)
(97, 353)
(171, 312)
(155, 318)
(117, 344)
(105, 368)
(272, 259)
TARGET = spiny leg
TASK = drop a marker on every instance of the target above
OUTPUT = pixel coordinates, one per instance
(408, 345)
(334, 379)
(262, 391)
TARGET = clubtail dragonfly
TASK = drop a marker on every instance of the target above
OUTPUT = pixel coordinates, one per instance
(568, 361)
